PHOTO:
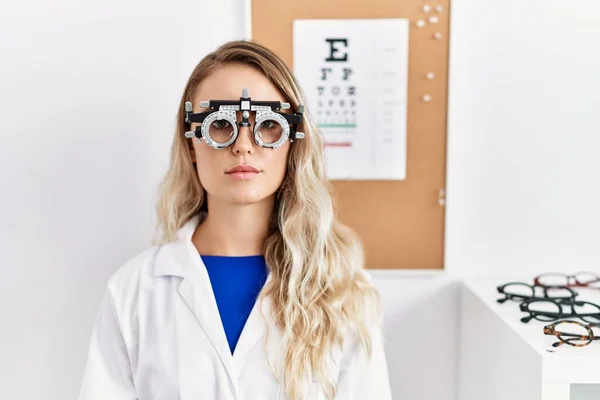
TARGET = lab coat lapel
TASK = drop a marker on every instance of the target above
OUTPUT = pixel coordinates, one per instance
(198, 294)
(255, 327)
(181, 258)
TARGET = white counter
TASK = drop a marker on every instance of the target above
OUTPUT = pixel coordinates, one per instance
(501, 358)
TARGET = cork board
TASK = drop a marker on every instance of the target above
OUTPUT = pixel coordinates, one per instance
(401, 223)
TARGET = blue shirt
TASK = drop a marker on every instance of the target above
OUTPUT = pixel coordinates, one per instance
(236, 282)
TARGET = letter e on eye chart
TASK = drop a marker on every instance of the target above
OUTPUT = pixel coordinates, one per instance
(354, 73)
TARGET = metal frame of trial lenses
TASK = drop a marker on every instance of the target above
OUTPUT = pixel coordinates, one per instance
(228, 113)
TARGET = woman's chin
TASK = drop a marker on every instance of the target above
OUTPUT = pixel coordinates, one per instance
(242, 198)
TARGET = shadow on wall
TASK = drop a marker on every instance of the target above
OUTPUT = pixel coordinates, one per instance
(421, 337)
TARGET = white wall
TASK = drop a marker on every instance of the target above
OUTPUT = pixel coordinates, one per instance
(524, 133)
(421, 329)
(89, 92)
(88, 96)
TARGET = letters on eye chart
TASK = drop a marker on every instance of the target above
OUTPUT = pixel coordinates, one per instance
(355, 74)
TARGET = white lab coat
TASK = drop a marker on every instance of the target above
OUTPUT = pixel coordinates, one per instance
(158, 336)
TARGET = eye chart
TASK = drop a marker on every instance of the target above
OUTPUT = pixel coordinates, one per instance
(354, 74)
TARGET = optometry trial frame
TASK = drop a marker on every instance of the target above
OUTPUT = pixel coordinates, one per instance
(219, 127)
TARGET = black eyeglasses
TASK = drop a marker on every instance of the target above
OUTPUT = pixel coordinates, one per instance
(552, 310)
(522, 291)
(573, 333)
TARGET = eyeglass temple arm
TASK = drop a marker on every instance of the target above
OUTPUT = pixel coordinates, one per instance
(575, 337)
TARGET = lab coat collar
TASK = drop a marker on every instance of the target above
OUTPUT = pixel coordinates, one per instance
(181, 258)
(175, 257)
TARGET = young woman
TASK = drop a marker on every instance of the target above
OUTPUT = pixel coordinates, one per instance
(255, 291)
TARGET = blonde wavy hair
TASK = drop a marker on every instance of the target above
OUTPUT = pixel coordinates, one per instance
(319, 288)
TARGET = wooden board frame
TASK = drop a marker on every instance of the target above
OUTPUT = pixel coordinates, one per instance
(401, 223)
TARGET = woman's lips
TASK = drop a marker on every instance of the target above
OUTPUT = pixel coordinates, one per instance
(246, 175)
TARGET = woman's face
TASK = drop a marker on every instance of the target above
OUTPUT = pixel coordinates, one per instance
(226, 83)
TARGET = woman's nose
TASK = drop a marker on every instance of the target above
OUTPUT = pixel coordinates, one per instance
(244, 143)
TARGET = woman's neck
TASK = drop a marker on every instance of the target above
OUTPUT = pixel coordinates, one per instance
(234, 229)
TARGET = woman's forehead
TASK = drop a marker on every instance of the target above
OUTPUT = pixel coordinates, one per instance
(226, 83)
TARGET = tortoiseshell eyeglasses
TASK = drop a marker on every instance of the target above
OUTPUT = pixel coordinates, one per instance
(573, 333)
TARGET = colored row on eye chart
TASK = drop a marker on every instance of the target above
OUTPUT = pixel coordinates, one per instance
(355, 77)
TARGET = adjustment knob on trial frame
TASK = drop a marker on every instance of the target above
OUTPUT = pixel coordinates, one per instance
(188, 110)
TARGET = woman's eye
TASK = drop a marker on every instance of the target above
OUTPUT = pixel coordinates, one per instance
(268, 125)
(220, 124)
